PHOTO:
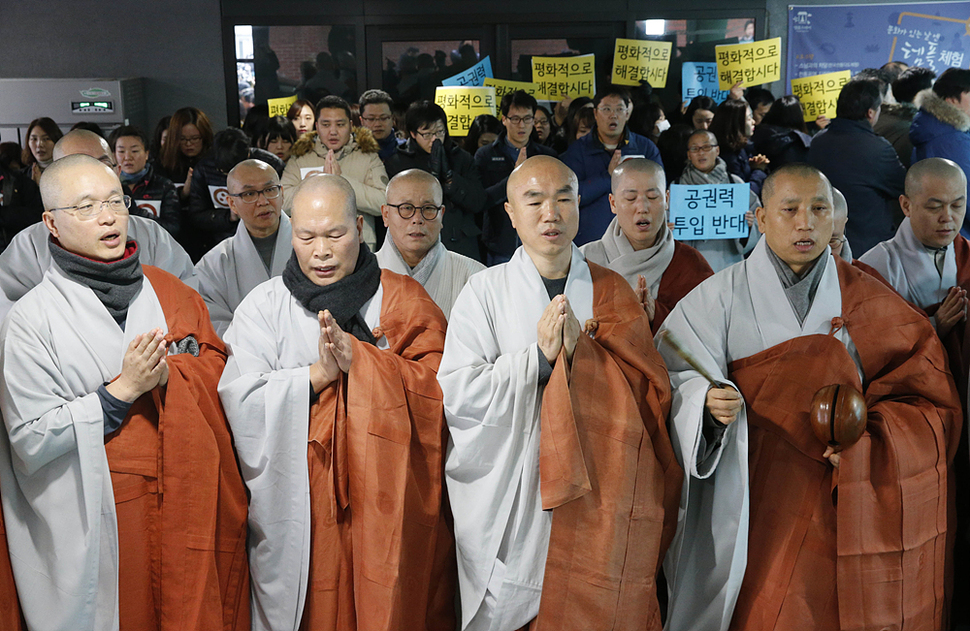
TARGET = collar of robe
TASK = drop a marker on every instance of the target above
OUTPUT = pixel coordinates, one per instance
(800, 290)
(344, 298)
(115, 283)
(422, 271)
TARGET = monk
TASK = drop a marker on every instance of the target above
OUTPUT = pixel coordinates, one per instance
(122, 500)
(339, 428)
(412, 216)
(560, 470)
(639, 246)
(848, 540)
(257, 252)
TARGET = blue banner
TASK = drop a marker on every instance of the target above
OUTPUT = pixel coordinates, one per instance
(709, 211)
(823, 39)
(700, 79)
(474, 76)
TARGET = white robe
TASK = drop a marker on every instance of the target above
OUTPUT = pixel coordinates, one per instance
(739, 312)
(229, 271)
(59, 344)
(24, 262)
(265, 390)
(911, 269)
(451, 272)
(615, 252)
(489, 377)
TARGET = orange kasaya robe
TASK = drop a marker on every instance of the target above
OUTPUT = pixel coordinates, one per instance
(862, 547)
(687, 269)
(382, 554)
(608, 471)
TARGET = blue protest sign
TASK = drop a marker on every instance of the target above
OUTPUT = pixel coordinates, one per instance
(474, 76)
(700, 79)
(709, 211)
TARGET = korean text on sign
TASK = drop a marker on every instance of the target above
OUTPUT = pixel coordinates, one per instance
(474, 76)
(709, 211)
(503, 87)
(565, 76)
(754, 63)
(279, 107)
(700, 79)
(819, 94)
(462, 105)
(637, 60)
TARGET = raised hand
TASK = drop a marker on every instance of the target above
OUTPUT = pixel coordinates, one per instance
(550, 328)
(338, 342)
(142, 367)
(952, 311)
(523, 156)
(644, 298)
(325, 370)
(614, 161)
(571, 330)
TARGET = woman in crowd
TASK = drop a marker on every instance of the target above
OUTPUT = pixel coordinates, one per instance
(277, 136)
(700, 112)
(782, 136)
(567, 133)
(189, 138)
(483, 131)
(302, 117)
(733, 127)
(159, 138)
(542, 125)
(42, 134)
(153, 195)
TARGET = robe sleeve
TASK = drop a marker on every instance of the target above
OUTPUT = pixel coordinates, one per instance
(211, 275)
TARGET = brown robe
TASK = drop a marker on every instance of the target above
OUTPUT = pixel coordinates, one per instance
(11, 618)
(382, 553)
(687, 269)
(863, 546)
(608, 471)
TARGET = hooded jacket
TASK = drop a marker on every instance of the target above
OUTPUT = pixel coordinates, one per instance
(781, 145)
(894, 122)
(359, 164)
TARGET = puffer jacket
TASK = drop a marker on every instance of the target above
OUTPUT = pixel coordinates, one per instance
(781, 145)
(155, 187)
(359, 164)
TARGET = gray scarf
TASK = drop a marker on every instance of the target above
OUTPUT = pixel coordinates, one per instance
(422, 271)
(115, 283)
(800, 290)
(718, 175)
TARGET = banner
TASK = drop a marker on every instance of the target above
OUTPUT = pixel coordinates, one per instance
(151, 207)
(824, 39)
(636, 60)
(462, 105)
(219, 196)
(503, 87)
(565, 76)
(474, 76)
(279, 107)
(753, 63)
(819, 94)
(709, 211)
(700, 79)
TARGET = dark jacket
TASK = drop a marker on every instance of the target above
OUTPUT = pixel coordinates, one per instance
(158, 188)
(494, 166)
(589, 160)
(388, 146)
(739, 164)
(20, 204)
(941, 130)
(865, 168)
(781, 145)
(464, 193)
(893, 125)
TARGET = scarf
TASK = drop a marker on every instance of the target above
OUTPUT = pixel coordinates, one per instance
(800, 290)
(422, 271)
(44, 163)
(344, 298)
(115, 283)
(128, 178)
(629, 263)
(718, 175)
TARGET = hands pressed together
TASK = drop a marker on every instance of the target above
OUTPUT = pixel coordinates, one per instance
(336, 353)
(143, 367)
(558, 328)
(644, 298)
(952, 311)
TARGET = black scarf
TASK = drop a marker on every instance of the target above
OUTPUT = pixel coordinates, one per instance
(344, 298)
(115, 283)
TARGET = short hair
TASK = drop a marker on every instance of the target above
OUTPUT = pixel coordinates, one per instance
(857, 98)
(786, 112)
(424, 177)
(700, 132)
(333, 103)
(611, 89)
(797, 169)
(883, 78)
(297, 107)
(939, 167)
(758, 96)
(894, 69)
(482, 124)
(375, 97)
(519, 98)
(638, 165)
(273, 128)
(730, 124)
(50, 178)
(128, 131)
(952, 83)
(229, 148)
(425, 113)
(911, 82)
(50, 128)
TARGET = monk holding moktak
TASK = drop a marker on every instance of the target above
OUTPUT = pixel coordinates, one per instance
(855, 539)
(339, 429)
(560, 472)
(122, 500)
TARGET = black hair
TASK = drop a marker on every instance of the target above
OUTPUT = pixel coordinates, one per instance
(519, 98)
(786, 112)
(730, 124)
(483, 124)
(128, 130)
(672, 145)
(333, 103)
(698, 103)
(611, 89)
(425, 113)
(894, 69)
(375, 97)
(758, 96)
(882, 77)
(911, 82)
(276, 127)
(857, 98)
(952, 83)
(162, 126)
(229, 148)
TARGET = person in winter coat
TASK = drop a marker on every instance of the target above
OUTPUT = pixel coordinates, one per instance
(431, 149)
(895, 119)
(781, 136)
(941, 129)
(338, 148)
(733, 125)
(151, 192)
(20, 203)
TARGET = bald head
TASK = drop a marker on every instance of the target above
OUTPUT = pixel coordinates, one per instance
(62, 171)
(333, 191)
(86, 142)
(840, 207)
(415, 177)
(703, 135)
(250, 169)
(638, 166)
(935, 201)
(545, 165)
(797, 170)
(326, 229)
(932, 168)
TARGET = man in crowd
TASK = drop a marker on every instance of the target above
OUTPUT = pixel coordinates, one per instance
(495, 163)
(895, 119)
(375, 115)
(831, 534)
(257, 252)
(337, 149)
(412, 216)
(594, 156)
(639, 246)
(339, 430)
(122, 499)
(575, 544)
(860, 164)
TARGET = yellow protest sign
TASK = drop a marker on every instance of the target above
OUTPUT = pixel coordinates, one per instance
(503, 87)
(820, 93)
(463, 104)
(565, 76)
(754, 63)
(636, 60)
(279, 107)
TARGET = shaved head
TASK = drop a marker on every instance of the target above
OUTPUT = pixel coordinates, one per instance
(935, 201)
(840, 207)
(703, 133)
(327, 233)
(337, 192)
(796, 169)
(52, 181)
(940, 168)
(86, 142)
(416, 176)
(537, 164)
(641, 166)
(252, 167)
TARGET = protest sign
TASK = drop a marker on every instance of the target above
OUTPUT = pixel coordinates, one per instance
(462, 105)
(753, 63)
(709, 211)
(503, 87)
(279, 107)
(565, 76)
(474, 76)
(636, 60)
(700, 79)
(819, 94)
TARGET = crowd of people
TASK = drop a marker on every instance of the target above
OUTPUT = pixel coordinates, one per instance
(340, 370)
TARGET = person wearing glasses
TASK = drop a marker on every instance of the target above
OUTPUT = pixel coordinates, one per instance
(129, 357)
(594, 156)
(375, 115)
(515, 144)
(259, 249)
(432, 149)
(413, 218)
